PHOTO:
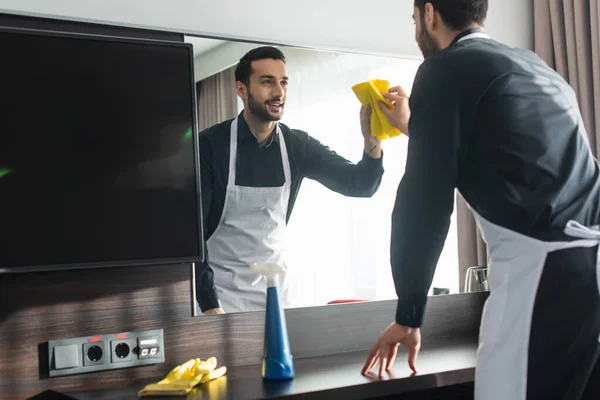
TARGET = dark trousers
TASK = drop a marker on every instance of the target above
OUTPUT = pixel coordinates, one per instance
(564, 348)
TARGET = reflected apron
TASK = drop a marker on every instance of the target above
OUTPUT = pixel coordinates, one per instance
(251, 230)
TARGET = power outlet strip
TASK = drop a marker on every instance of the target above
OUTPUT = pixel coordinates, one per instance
(105, 352)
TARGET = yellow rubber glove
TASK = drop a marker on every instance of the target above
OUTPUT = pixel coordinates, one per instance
(182, 379)
(369, 93)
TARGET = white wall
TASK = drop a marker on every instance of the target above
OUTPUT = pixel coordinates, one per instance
(380, 27)
(219, 58)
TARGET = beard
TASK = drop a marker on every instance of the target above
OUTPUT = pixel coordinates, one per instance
(426, 42)
(260, 110)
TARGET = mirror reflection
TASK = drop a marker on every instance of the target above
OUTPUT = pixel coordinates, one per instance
(311, 190)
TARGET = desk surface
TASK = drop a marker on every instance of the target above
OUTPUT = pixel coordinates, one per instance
(320, 377)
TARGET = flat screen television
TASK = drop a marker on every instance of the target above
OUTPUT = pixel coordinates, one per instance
(98, 152)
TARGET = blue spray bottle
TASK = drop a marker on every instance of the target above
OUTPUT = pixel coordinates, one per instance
(277, 359)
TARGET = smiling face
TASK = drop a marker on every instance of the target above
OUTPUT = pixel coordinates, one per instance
(267, 89)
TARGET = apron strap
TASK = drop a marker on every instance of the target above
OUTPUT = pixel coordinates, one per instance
(284, 156)
(473, 36)
(232, 151)
(578, 230)
(587, 237)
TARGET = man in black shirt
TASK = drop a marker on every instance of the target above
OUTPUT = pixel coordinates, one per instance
(251, 169)
(504, 129)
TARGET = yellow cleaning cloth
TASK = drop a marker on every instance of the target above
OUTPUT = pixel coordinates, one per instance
(370, 93)
(182, 379)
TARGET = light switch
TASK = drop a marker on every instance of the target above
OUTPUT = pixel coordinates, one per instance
(66, 356)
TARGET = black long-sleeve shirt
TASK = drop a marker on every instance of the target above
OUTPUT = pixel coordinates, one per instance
(262, 167)
(505, 130)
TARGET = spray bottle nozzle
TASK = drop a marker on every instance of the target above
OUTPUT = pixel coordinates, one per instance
(269, 271)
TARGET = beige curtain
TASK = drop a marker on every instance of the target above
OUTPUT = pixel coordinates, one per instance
(217, 100)
(567, 37)
(472, 251)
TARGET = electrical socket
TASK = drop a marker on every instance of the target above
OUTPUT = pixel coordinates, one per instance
(123, 350)
(94, 354)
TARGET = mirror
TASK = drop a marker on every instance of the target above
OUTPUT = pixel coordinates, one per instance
(337, 247)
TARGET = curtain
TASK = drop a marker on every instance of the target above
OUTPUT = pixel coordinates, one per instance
(472, 250)
(339, 247)
(217, 100)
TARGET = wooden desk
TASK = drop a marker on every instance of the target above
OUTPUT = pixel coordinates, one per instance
(323, 377)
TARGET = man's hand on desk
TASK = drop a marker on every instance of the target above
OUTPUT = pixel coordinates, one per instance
(386, 347)
(214, 311)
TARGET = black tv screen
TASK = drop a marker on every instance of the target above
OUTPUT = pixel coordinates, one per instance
(98, 152)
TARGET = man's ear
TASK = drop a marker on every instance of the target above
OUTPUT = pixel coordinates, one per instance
(241, 90)
(431, 17)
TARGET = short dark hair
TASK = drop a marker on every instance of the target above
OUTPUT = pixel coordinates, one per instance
(458, 14)
(244, 68)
